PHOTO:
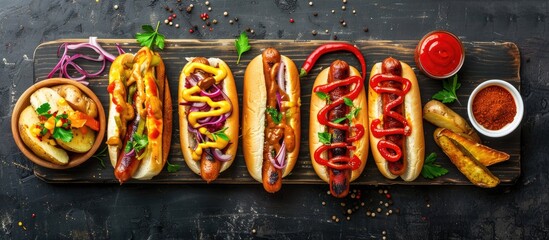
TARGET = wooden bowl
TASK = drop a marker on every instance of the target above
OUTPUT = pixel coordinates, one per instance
(75, 159)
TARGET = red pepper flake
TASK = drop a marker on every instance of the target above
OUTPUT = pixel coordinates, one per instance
(191, 30)
(170, 18)
(292, 20)
(174, 15)
(388, 196)
(33, 215)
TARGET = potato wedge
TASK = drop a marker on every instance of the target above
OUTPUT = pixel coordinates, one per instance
(485, 155)
(48, 95)
(76, 99)
(470, 167)
(29, 118)
(80, 142)
(442, 116)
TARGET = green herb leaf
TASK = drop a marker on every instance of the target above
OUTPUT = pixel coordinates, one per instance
(150, 37)
(448, 94)
(275, 115)
(242, 45)
(173, 167)
(325, 137)
(43, 130)
(339, 120)
(64, 135)
(348, 102)
(431, 169)
(43, 109)
(324, 96)
(221, 134)
(140, 142)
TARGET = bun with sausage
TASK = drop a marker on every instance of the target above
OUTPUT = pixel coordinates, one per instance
(140, 116)
(271, 118)
(208, 116)
(338, 140)
(395, 120)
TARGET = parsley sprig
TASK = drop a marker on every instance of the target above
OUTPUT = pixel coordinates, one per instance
(138, 142)
(448, 94)
(150, 37)
(431, 169)
(352, 114)
(221, 134)
(242, 45)
(275, 115)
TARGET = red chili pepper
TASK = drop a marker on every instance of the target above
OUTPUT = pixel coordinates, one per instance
(328, 48)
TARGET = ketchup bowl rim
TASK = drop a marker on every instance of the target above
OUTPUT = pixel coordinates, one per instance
(507, 129)
(451, 73)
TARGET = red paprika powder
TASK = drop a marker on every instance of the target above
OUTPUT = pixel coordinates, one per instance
(494, 107)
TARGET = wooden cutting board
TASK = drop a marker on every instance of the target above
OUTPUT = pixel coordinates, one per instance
(484, 61)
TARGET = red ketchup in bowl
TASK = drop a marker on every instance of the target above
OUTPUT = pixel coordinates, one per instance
(439, 54)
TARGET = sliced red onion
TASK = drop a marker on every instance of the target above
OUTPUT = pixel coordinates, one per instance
(217, 121)
(199, 104)
(281, 76)
(204, 120)
(191, 80)
(119, 49)
(128, 156)
(108, 56)
(279, 162)
(213, 94)
(67, 61)
(218, 155)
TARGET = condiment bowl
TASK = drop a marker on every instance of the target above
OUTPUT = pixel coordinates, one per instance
(507, 129)
(75, 159)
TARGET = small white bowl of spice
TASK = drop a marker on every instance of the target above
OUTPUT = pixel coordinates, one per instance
(495, 108)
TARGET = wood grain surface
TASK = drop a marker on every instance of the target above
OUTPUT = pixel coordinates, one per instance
(484, 61)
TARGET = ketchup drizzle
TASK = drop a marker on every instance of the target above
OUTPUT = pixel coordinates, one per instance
(384, 145)
(340, 162)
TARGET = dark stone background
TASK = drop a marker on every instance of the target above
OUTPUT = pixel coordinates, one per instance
(233, 211)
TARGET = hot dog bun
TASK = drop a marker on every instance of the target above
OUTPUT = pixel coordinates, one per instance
(315, 127)
(253, 116)
(414, 144)
(158, 107)
(188, 141)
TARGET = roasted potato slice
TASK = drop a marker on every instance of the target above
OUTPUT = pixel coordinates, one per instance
(81, 142)
(470, 167)
(442, 116)
(43, 149)
(76, 99)
(485, 155)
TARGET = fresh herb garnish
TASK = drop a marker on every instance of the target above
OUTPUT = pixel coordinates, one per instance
(352, 114)
(173, 167)
(100, 155)
(431, 169)
(221, 134)
(150, 37)
(138, 143)
(275, 115)
(448, 94)
(325, 137)
(242, 45)
(61, 133)
(43, 110)
(324, 96)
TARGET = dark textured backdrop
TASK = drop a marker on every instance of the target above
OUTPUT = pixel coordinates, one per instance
(232, 211)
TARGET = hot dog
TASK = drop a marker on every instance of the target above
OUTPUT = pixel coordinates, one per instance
(271, 118)
(337, 136)
(395, 120)
(208, 116)
(140, 116)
